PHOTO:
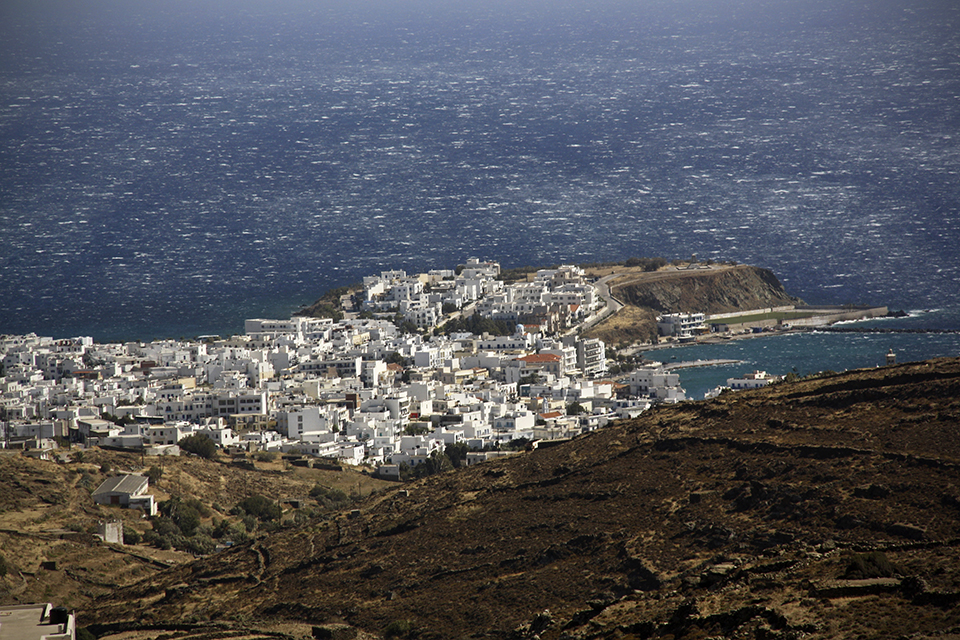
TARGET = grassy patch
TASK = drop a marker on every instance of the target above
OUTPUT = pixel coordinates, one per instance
(625, 327)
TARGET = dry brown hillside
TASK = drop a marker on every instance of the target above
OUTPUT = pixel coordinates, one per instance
(48, 518)
(719, 289)
(822, 508)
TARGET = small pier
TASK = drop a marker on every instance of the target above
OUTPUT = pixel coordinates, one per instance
(689, 364)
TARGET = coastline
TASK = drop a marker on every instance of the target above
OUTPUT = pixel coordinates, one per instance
(760, 328)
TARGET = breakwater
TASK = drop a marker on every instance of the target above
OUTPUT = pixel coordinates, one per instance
(884, 330)
(687, 364)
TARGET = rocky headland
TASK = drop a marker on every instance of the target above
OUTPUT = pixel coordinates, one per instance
(689, 288)
(709, 290)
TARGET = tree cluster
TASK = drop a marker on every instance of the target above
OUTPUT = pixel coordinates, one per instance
(200, 445)
(179, 526)
(261, 508)
(457, 454)
(153, 474)
(408, 326)
(575, 409)
(326, 310)
(438, 462)
(454, 456)
(329, 498)
(117, 420)
(394, 357)
(648, 264)
(478, 325)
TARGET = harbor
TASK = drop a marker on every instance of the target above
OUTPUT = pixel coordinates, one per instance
(800, 352)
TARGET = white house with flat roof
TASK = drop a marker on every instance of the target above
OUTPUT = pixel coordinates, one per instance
(753, 380)
(682, 324)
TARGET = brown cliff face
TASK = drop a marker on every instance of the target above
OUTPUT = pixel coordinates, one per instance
(822, 508)
(721, 290)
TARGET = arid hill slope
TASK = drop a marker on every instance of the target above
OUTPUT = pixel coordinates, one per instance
(48, 517)
(751, 516)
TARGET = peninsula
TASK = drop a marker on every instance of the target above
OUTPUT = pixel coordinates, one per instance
(625, 308)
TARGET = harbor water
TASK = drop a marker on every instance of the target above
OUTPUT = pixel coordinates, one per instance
(809, 352)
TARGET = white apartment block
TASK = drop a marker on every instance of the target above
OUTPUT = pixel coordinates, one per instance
(166, 434)
(592, 357)
(681, 324)
(568, 358)
(432, 356)
(475, 268)
(308, 422)
(753, 380)
(351, 367)
(407, 290)
(656, 383)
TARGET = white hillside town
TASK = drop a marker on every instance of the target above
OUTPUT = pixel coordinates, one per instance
(383, 386)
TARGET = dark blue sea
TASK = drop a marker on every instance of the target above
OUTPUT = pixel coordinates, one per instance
(168, 169)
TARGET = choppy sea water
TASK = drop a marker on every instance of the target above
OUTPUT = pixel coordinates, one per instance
(170, 170)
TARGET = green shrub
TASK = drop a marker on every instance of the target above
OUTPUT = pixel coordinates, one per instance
(202, 509)
(179, 541)
(237, 534)
(165, 526)
(648, 264)
(220, 528)
(188, 520)
(260, 507)
(329, 498)
(398, 629)
(200, 445)
(870, 565)
(478, 325)
(200, 545)
(271, 526)
(153, 474)
(249, 523)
